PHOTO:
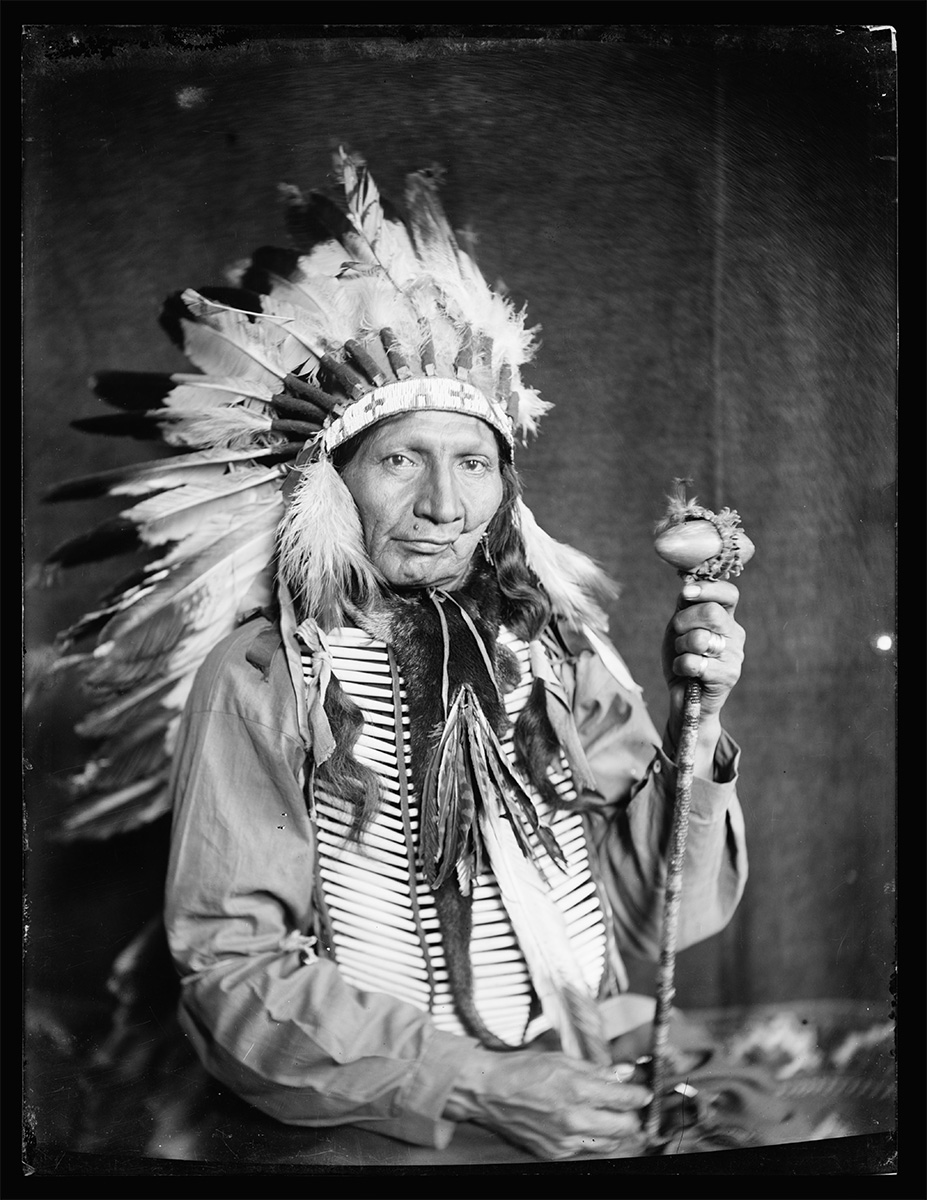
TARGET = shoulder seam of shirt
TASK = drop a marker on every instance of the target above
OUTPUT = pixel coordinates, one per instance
(222, 712)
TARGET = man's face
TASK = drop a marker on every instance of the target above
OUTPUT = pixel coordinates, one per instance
(427, 484)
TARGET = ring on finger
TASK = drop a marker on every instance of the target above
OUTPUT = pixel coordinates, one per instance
(716, 645)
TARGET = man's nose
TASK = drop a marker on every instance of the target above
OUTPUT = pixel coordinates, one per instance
(438, 499)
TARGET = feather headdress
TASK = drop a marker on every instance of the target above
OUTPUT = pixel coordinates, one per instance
(368, 315)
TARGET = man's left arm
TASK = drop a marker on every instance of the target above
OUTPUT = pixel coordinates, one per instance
(631, 827)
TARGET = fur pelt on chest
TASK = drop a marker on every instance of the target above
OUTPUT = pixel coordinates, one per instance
(429, 661)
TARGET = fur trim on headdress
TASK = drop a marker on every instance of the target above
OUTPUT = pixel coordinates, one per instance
(321, 546)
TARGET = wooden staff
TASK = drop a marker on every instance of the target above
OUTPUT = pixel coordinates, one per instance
(701, 545)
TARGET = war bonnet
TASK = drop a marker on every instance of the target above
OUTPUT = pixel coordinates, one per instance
(368, 315)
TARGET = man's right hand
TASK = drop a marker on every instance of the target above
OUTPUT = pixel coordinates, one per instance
(552, 1105)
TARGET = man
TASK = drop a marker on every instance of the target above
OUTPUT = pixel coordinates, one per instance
(420, 808)
(319, 1040)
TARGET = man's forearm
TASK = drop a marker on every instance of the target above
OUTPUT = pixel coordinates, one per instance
(709, 734)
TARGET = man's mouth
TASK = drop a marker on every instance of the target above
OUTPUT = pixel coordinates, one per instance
(425, 545)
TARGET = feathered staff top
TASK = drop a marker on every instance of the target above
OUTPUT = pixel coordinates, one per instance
(368, 315)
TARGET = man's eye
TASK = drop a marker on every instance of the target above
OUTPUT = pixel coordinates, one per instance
(474, 466)
(398, 460)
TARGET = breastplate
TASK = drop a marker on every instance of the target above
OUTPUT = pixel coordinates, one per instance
(385, 930)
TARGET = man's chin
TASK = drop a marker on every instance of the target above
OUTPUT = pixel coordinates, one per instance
(443, 583)
(429, 575)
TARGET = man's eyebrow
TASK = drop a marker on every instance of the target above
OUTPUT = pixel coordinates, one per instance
(388, 446)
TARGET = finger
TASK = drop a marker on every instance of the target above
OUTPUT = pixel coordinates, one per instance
(623, 1071)
(617, 1096)
(599, 1123)
(623, 1144)
(619, 1143)
(705, 642)
(706, 670)
(716, 591)
(711, 616)
(618, 1072)
(626, 1147)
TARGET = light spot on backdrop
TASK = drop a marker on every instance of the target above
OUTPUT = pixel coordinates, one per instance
(191, 97)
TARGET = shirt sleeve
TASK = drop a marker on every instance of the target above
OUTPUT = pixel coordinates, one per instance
(631, 825)
(271, 1020)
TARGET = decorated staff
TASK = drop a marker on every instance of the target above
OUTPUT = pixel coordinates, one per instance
(701, 545)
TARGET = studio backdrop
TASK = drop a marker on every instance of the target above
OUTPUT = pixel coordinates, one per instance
(701, 223)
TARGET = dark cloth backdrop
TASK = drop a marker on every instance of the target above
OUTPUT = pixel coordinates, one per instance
(701, 221)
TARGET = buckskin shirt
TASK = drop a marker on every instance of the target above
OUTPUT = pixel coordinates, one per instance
(305, 987)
